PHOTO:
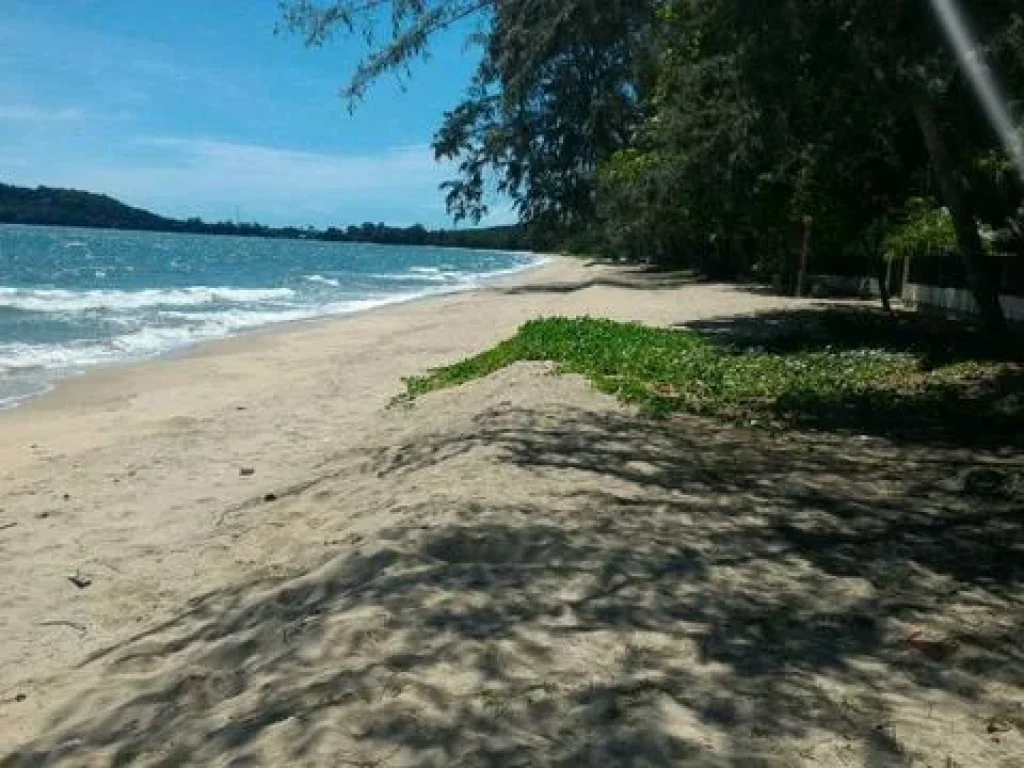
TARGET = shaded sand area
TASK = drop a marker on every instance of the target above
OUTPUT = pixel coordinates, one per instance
(517, 572)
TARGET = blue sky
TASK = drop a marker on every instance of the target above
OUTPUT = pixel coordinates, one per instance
(195, 107)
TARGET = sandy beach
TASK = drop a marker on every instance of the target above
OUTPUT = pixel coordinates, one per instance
(275, 568)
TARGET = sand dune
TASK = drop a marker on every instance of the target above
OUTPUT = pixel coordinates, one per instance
(517, 572)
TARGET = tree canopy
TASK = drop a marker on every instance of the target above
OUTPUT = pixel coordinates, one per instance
(560, 87)
(716, 133)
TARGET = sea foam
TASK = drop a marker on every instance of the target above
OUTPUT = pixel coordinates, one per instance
(73, 299)
(60, 300)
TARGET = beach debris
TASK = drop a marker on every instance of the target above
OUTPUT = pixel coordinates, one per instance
(941, 649)
(6, 526)
(67, 497)
(247, 472)
(80, 581)
(1009, 717)
(240, 408)
(998, 725)
(20, 697)
(42, 515)
(80, 628)
(270, 497)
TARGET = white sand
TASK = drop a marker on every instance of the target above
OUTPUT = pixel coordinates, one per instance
(517, 572)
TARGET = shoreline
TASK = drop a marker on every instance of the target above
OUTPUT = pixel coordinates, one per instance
(85, 395)
(53, 380)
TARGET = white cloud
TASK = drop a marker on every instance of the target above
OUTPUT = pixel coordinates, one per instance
(276, 171)
(184, 177)
(29, 113)
(211, 178)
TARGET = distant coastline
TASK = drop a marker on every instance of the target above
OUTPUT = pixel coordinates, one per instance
(56, 207)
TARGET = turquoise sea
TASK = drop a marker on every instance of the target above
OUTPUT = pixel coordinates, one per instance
(71, 299)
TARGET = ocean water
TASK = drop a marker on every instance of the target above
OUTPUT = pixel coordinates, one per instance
(71, 299)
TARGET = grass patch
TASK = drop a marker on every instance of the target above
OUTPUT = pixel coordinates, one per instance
(869, 388)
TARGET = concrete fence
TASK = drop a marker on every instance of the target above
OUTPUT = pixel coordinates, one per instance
(957, 300)
(913, 295)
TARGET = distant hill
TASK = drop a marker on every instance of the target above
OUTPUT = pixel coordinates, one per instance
(47, 206)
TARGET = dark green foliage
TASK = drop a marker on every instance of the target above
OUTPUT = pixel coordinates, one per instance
(821, 118)
(721, 135)
(561, 86)
(512, 238)
(45, 206)
(817, 370)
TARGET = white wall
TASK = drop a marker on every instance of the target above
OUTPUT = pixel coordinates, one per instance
(957, 300)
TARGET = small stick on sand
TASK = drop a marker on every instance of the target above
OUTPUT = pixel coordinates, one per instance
(61, 623)
(80, 581)
(5, 526)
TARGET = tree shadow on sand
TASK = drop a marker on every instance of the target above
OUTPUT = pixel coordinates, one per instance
(684, 593)
(631, 278)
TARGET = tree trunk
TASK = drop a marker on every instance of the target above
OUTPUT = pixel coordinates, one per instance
(805, 254)
(980, 274)
(882, 274)
(883, 266)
